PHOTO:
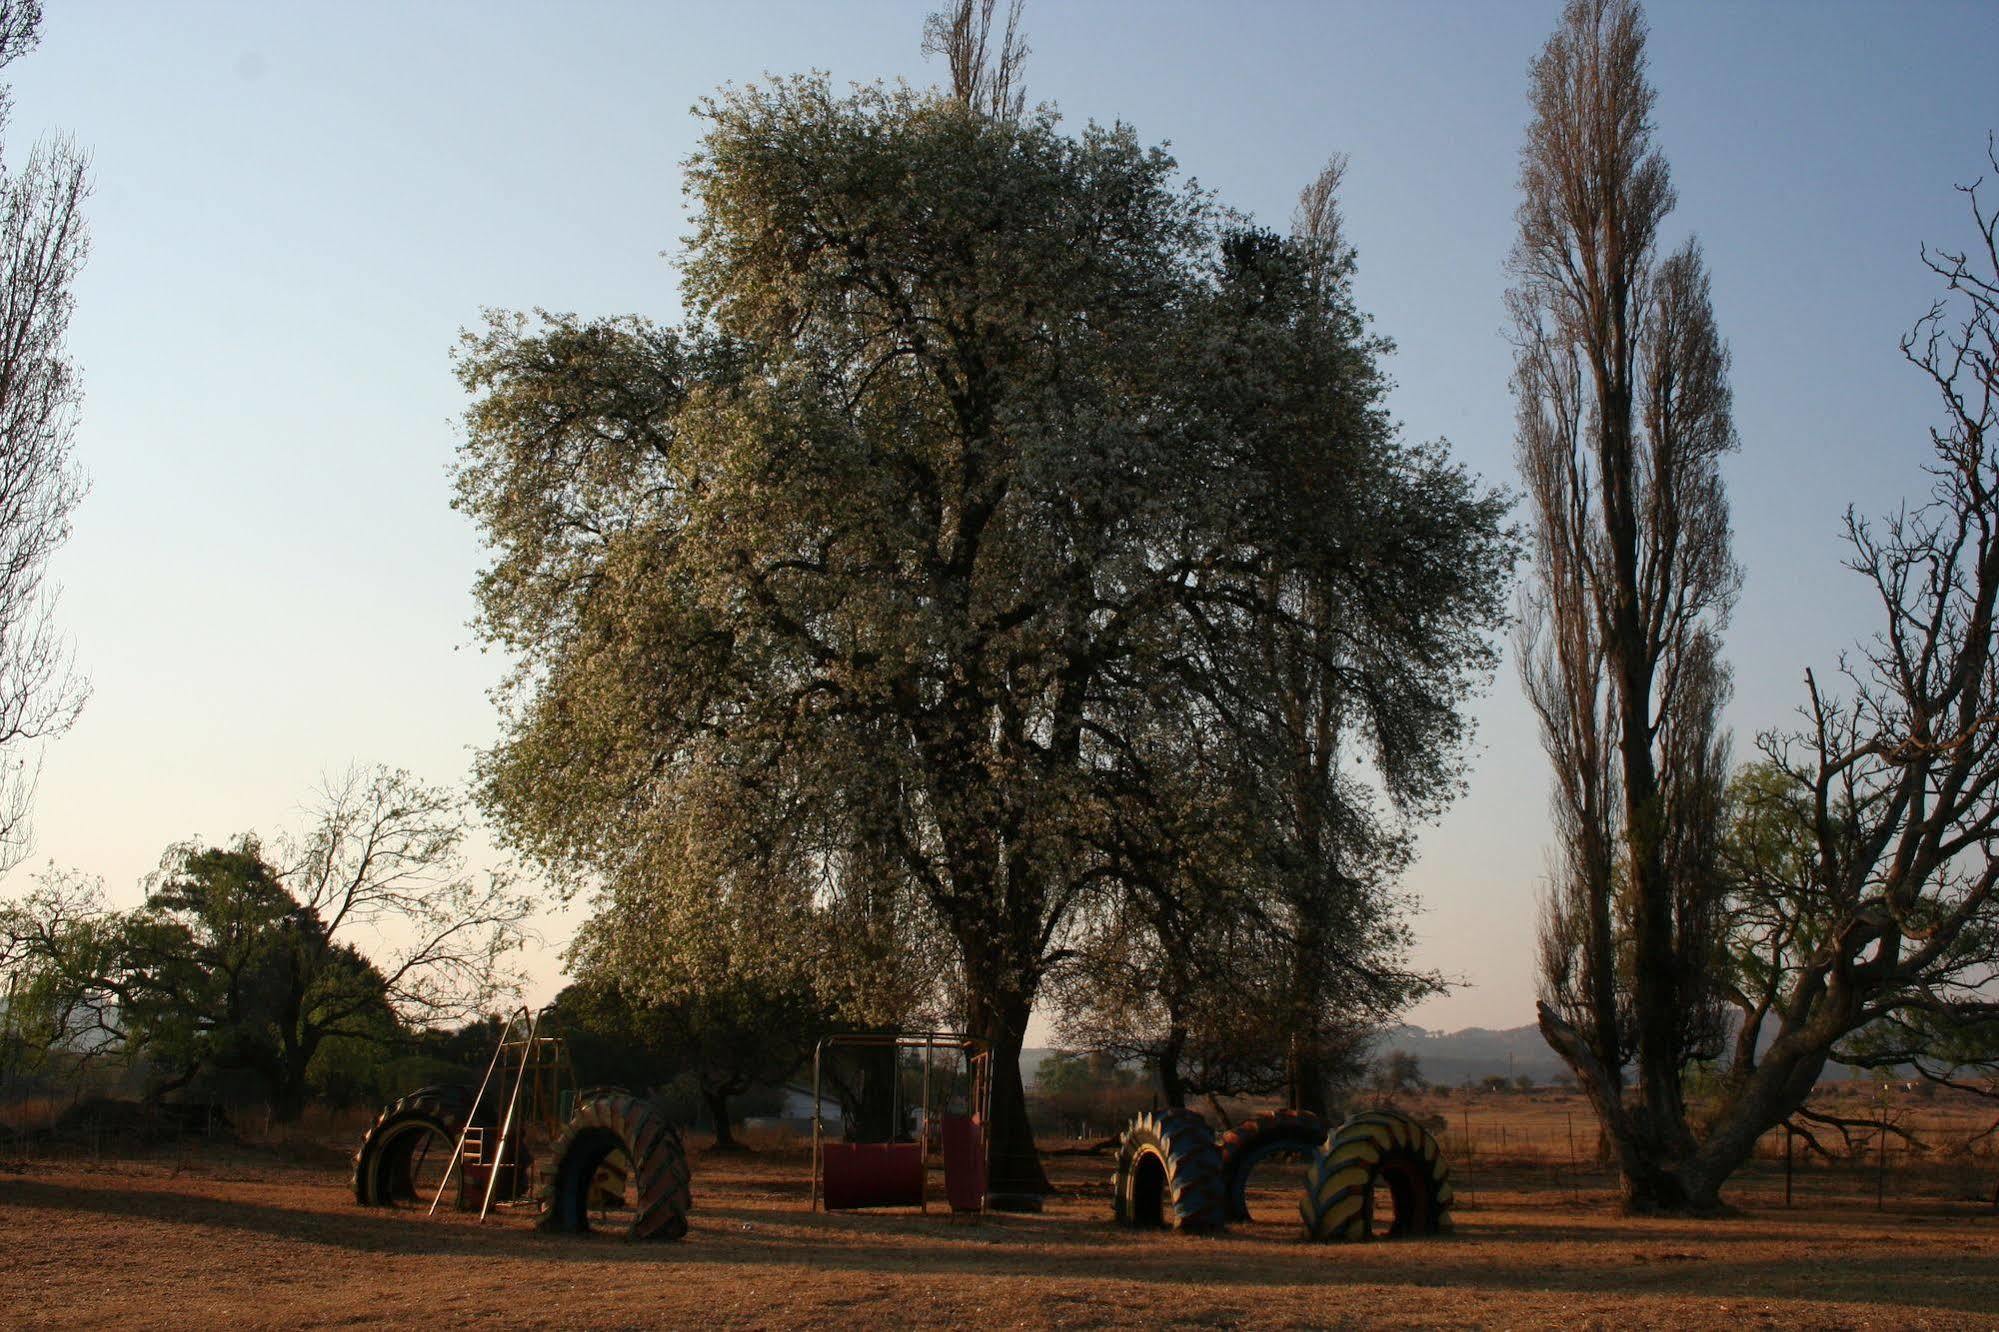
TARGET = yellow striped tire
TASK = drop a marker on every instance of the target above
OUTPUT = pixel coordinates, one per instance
(1169, 1173)
(1378, 1148)
(652, 1148)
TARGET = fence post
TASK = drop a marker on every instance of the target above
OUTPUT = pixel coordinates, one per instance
(1881, 1163)
(1468, 1154)
(1575, 1162)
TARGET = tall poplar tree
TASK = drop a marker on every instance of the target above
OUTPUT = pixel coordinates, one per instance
(1622, 387)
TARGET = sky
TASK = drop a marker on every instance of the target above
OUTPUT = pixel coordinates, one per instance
(297, 208)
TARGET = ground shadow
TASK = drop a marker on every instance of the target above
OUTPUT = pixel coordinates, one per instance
(1636, 1256)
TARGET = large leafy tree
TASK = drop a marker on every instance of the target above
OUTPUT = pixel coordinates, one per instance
(1253, 931)
(988, 451)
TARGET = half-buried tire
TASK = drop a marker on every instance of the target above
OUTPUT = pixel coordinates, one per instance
(1252, 1142)
(419, 1130)
(1169, 1173)
(1377, 1149)
(654, 1165)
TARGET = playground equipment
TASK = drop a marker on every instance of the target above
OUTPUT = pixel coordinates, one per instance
(886, 1163)
(591, 1150)
(1171, 1173)
(618, 1155)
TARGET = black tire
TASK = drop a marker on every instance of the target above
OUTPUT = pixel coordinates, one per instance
(608, 1123)
(1169, 1173)
(1255, 1140)
(428, 1119)
(1382, 1148)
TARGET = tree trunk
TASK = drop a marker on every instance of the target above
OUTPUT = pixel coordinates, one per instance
(1308, 1079)
(1014, 1160)
(718, 1111)
(288, 1089)
(1171, 1085)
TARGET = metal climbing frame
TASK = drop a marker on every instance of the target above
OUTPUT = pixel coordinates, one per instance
(532, 1072)
(895, 1173)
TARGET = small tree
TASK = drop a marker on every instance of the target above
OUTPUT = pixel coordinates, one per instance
(244, 960)
(727, 1041)
(222, 969)
(1399, 1073)
(54, 942)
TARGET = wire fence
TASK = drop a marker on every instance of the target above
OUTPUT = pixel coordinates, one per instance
(1883, 1152)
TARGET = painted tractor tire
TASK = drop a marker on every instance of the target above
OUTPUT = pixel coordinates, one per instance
(382, 1164)
(608, 1188)
(1255, 1140)
(572, 1169)
(1383, 1148)
(1169, 1173)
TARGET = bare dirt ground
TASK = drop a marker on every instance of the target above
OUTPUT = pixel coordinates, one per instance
(246, 1237)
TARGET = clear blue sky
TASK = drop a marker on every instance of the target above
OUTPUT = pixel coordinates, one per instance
(298, 207)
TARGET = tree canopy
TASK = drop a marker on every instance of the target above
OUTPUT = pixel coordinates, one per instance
(990, 474)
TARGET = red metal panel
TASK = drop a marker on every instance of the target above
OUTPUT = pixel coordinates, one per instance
(964, 1162)
(872, 1174)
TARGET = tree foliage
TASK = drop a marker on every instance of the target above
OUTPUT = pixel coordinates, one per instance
(248, 959)
(54, 940)
(730, 1040)
(224, 969)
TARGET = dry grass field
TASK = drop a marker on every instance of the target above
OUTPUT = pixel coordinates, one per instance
(264, 1237)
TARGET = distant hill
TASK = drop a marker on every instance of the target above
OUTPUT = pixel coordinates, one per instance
(1455, 1057)
(1449, 1058)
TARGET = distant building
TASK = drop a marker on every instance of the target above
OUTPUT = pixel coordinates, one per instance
(795, 1112)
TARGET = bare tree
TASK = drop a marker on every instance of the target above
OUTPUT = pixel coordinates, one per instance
(42, 248)
(1624, 414)
(384, 858)
(1863, 917)
(984, 79)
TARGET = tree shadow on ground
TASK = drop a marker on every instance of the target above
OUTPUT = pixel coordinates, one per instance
(1638, 1257)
